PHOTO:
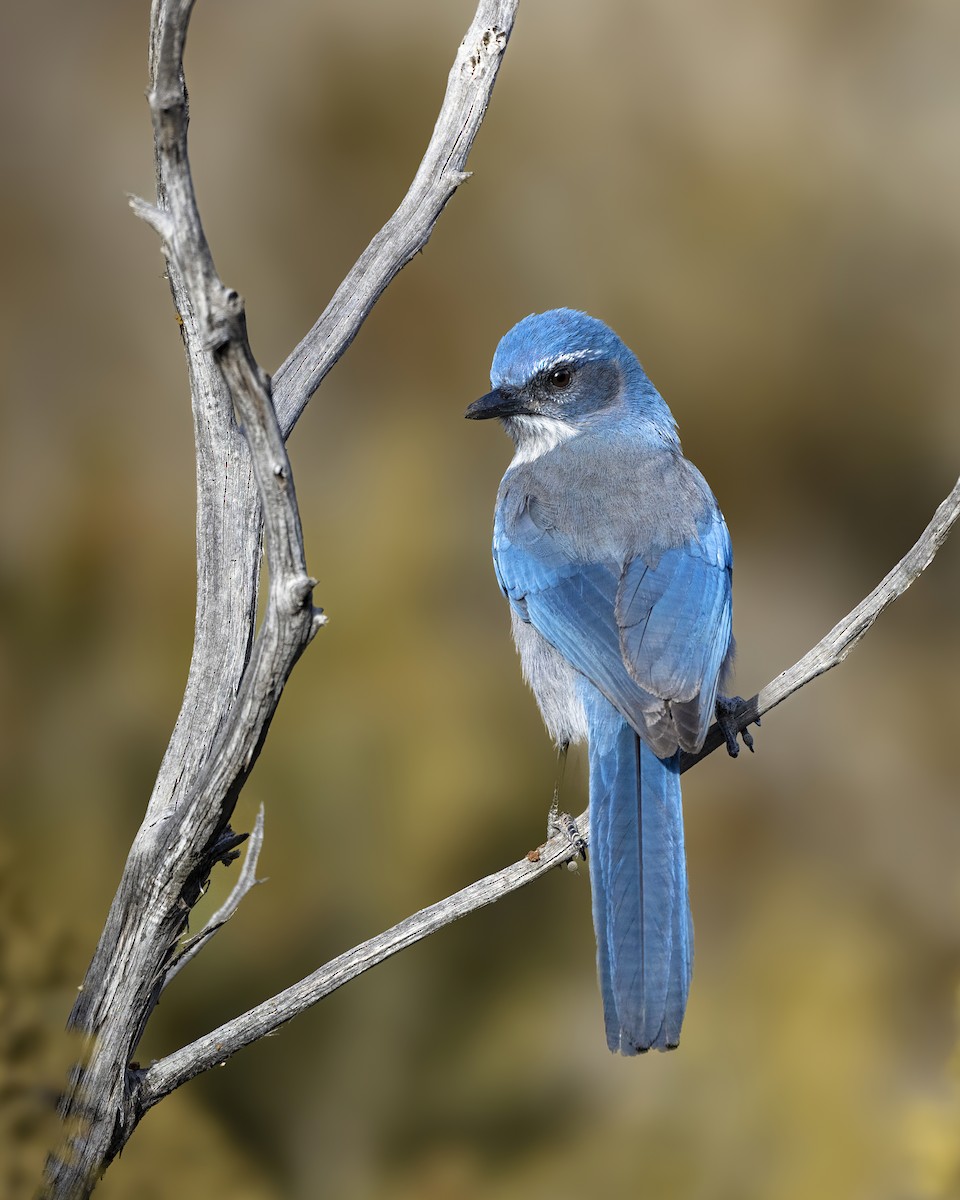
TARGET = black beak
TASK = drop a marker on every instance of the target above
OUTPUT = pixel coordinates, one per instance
(498, 403)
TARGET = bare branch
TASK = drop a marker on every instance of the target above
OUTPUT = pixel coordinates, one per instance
(441, 172)
(246, 881)
(156, 218)
(215, 1048)
(838, 643)
(243, 479)
(177, 859)
(244, 484)
(172, 858)
(834, 648)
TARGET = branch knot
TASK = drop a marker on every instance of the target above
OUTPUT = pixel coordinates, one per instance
(297, 593)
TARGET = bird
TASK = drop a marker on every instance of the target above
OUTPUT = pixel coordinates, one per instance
(617, 564)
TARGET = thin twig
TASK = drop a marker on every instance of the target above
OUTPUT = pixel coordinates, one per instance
(830, 651)
(246, 881)
(215, 1048)
(442, 170)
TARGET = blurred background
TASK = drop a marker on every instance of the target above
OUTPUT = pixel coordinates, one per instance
(764, 201)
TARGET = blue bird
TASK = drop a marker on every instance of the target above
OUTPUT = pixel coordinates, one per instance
(617, 564)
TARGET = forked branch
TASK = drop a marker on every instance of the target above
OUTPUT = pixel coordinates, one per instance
(246, 881)
(244, 486)
(215, 1048)
(441, 172)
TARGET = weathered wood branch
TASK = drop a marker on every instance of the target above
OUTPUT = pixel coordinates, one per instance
(246, 881)
(831, 650)
(215, 1048)
(440, 173)
(244, 484)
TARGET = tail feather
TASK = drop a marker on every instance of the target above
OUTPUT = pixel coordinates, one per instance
(641, 910)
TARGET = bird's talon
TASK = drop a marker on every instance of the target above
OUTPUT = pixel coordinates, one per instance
(561, 822)
(730, 710)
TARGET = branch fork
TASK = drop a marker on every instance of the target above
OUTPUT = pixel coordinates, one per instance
(245, 484)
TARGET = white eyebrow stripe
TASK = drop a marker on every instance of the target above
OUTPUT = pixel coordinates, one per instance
(575, 356)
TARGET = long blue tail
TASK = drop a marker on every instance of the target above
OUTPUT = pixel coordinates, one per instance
(641, 910)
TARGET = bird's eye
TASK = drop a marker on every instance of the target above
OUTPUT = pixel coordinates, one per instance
(561, 378)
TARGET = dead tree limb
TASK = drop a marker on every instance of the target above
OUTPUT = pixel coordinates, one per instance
(244, 488)
(215, 1048)
(246, 881)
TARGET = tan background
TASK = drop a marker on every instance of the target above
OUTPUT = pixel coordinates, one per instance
(763, 200)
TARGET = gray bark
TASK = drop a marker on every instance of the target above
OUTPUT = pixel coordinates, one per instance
(244, 488)
(215, 1048)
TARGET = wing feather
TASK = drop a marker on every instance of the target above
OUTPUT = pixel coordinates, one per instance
(652, 634)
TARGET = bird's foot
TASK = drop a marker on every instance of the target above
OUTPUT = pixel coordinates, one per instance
(730, 712)
(562, 823)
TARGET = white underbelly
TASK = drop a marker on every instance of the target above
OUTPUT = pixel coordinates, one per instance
(554, 683)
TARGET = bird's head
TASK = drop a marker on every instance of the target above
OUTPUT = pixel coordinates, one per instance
(559, 373)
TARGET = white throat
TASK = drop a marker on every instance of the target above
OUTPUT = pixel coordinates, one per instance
(538, 435)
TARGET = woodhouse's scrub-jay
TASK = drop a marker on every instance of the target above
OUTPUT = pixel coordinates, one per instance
(617, 564)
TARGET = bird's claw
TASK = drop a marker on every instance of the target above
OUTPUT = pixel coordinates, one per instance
(562, 823)
(730, 711)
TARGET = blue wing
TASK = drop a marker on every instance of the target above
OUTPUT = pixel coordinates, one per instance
(653, 634)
